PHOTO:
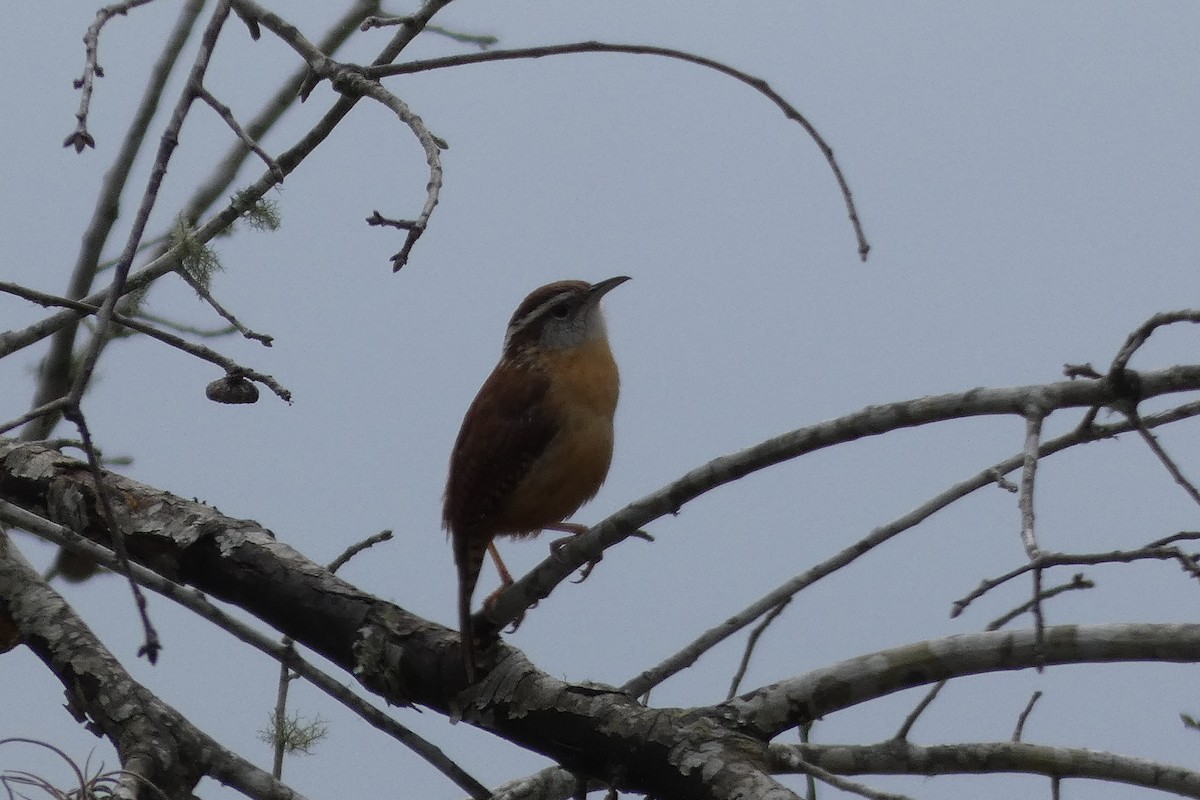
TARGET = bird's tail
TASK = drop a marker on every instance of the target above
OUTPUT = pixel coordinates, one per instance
(469, 552)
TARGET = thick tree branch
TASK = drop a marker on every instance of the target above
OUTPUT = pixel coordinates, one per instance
(151, 738)
(594, 731)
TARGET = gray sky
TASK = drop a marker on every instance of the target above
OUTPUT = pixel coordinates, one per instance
(1027, 176)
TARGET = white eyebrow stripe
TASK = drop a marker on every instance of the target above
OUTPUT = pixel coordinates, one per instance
(522, 323)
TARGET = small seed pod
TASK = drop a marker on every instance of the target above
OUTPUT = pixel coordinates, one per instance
(232, 389)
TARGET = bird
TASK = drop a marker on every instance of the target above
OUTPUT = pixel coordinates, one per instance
(537, 441)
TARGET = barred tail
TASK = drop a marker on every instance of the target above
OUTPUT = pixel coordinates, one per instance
(469, 552)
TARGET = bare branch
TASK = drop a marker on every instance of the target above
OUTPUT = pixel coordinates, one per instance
(758, 631)
(167, 144)
(902, 758)
(197, 350)
(758, 84)
(115, 704)
(668, 500)
(1166, 460)
(1033, 435)
(1045, 560)
(771, 710)
(1024, 717)
(55, 373)
(199, 288)
(151, 645)
(1140, 336)
(80, 138)
(196, 602)
(790, 760)
(227, 115)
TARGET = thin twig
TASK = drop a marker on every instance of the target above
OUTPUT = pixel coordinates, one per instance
(1168, 462)
(181, 327)
(151, 645)
(80, 138)
(481, 40)
(794, 762)
(191, 348)
(1077, 582)
(1142, 334)
(919, 709)
(751, 641)
(356, 84)
(351, 81)
(227, 115)
(1024, 717)
(1044, 560)
(200, 289)
(356, 548)
(286, 675)
(758, 84)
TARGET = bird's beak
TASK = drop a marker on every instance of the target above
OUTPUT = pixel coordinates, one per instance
(602, 288)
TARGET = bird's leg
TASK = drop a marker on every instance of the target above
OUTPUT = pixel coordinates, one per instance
(506, 580)
(573, 528)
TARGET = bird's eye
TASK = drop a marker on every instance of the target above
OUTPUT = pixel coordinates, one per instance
(560, 311)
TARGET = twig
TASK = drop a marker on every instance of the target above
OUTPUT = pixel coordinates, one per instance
(53, 407)
(1168, 462)
(919, 709)
(180, 327)
(200, 289)
(355, 83)
(1077, 582)
(1139, 336)
(751, 641)
(351, 80)
(790, 759)
(354, 549)
(151, 645)
(191, 348)
(227, 115)
(80, 138)
(1020, 729)
(54, 376)
(480, 40)
(1044, 560)
(758, 84)
(167, 145)
(286, 675)
(1033, 435)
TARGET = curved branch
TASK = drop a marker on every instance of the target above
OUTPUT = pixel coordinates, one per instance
(756, 83)
(901, 758)
(870, 421)
(767, 712)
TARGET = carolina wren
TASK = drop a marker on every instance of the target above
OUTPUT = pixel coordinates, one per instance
(537, 440)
